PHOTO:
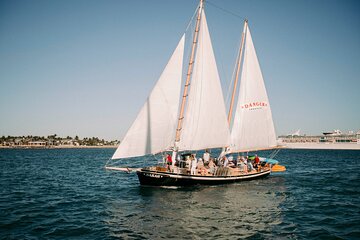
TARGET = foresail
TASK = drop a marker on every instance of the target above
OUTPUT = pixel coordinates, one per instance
(154, 128)
(205, 124)
(253, 126)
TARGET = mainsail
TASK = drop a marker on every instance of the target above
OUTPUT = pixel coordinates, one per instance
(153, 130)
(205, 124)
(253, 127)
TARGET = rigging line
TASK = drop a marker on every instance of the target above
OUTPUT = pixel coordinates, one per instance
(225, 10)
(228, 93)
(107, 162)
(192, 18)
(112, 162)
(275, 153)
(224, 78)
(161, 157)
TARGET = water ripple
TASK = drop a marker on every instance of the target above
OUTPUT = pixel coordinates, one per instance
(60, 194)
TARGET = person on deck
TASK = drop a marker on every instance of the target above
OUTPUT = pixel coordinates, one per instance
(178, 160)
(231, 161)
(250, 166)
(256, 161)
(245, 164)
(236, 161)
(193, 164)
(206, 157)
(212, 166)
(200, 166)
(241, 164)
(188, 162)
(226, 161)
(168, 161)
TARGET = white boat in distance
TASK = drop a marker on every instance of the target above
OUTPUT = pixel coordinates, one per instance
(197, 120)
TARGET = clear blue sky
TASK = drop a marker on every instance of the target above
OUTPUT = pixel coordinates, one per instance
(86, 67)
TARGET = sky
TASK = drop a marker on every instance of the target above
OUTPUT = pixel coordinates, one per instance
(85, 67)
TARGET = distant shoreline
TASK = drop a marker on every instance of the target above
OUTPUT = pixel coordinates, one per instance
(55, 147)
(320, 146)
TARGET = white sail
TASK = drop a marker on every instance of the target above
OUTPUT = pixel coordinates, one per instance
(154, 129)
(205, 124)
(253, 126)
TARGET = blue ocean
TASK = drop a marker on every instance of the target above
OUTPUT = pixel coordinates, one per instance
(67, 194)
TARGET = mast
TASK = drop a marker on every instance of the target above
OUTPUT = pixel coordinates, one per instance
(189, 72)
(237, 72)
(238, 68)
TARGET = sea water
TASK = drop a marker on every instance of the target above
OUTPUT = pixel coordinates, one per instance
(67, 194)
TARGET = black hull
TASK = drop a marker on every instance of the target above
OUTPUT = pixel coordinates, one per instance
(156, 178)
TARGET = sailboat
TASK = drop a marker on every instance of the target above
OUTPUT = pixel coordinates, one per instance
(196, 119)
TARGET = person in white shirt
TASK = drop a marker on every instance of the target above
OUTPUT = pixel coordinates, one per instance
(193, 164)
(206, 157)
(245, 164)
(226, 161)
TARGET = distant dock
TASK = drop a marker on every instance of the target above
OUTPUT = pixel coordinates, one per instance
(339, 146)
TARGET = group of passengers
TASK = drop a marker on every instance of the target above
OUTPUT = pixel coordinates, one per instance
(208, 164)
